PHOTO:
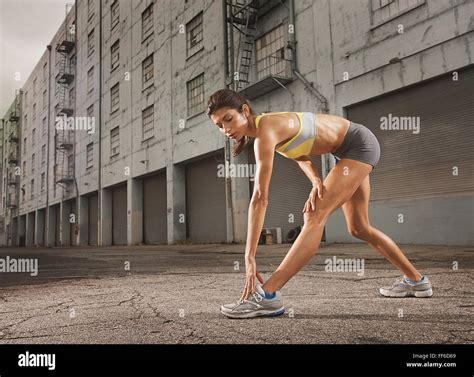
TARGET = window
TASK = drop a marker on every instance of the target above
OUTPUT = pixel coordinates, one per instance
(147, 22)
(89, 155)
(90, 120)
(114, 14)
(57, 86)
(26, 98)
(90, 112)
(24, 169)
(72, 97)
(70, 166)
(90, 43)
(45, 71)
(90, 80)
(147, 68)
(194, 35)
(24, 145)
(33, 137)
(114, 98)
(33, 163)
(147, 123)
(43, 154)
(270, 49)
(43, 127)
(45, 99)
(43, 180)
(383, 10)
(195, 94)
(90, 9)
(34, 86)
(25, 124)
(115, 55)
(114, 142)
(23, 193)
(32, 193)
(34, 112)
(72, 63)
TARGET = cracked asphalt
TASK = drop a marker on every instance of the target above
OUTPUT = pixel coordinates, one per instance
(172, 294)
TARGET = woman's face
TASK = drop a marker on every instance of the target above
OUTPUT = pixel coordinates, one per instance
(231, 123)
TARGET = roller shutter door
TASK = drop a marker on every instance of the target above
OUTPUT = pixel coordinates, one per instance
(155, 229)
(72, 226)
(421, 165)
(289, 189)
(119, 215)
(93, 218)
(205, 201)
(56, 219)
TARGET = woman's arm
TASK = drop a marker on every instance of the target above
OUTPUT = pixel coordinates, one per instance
(305, 164)
(309, 169)
(264, 148)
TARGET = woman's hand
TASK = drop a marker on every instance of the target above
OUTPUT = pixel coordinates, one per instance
(317, 191)
(250, 279)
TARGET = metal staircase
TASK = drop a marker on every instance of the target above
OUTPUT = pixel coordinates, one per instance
(242, 15)
(64, 135)
(244, 19)
(13, 151)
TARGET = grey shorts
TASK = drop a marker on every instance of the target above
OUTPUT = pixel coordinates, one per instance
(359, 144)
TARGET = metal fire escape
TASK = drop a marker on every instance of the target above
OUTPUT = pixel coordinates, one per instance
(64, 122)
(12, 171)
(242, 16)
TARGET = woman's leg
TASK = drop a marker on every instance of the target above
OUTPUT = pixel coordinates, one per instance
(357, 219)
(340, 184)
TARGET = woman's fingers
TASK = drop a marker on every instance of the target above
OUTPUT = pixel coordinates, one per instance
(305, 206)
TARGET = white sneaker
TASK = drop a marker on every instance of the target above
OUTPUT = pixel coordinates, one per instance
(255, 306)
(404, 288)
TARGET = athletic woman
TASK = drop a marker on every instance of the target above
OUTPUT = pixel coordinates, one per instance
(298, 135)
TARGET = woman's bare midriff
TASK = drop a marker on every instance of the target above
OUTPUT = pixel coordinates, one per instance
(330, 131)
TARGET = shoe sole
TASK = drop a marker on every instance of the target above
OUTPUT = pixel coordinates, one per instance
(259, 313)
(418, 294)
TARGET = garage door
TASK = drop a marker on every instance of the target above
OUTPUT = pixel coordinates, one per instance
(72, 226)
(92, 219)
(289, 189)
(205, 201)
(425, 163)
(119, 215)
(154, 210)
(56, 219)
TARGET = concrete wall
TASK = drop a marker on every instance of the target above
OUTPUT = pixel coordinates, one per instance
(334, 38)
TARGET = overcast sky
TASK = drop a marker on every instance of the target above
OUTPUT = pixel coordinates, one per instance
(26, 28)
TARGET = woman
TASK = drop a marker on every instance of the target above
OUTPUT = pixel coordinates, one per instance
(298, 136)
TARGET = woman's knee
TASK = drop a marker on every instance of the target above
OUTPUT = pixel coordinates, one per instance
(315, 218)
(359, 231)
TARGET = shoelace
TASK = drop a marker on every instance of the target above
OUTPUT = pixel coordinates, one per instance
(257, 297)
(398, 282)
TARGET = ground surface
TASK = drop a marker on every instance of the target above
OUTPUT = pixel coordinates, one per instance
(172, 294)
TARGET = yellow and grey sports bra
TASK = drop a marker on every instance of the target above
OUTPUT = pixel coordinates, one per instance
(302, 143)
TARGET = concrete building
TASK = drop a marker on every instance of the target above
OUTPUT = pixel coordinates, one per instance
(144, 164)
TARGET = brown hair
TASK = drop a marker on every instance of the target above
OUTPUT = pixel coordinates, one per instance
(229, 98)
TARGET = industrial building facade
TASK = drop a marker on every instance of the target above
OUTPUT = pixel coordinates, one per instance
(108, 143)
